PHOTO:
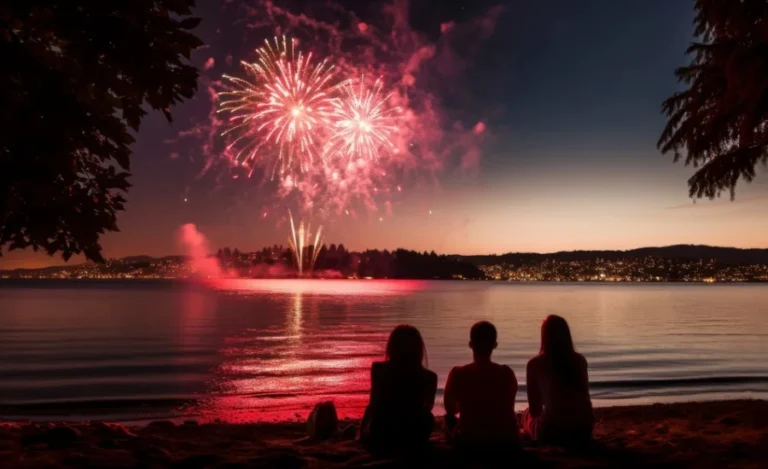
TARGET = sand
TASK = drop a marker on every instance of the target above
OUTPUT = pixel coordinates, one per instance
(701, 435)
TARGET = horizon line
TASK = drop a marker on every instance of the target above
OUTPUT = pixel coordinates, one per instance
(416, 250)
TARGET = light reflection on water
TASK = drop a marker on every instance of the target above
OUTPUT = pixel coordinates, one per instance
(255, 349)
(354, 288)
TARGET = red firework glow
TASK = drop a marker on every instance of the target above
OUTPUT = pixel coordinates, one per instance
(363, 122)
(343, 134)
(287, 108)
(297, 108)
(356, 288)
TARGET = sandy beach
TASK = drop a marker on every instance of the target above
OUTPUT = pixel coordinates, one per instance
(711, 434)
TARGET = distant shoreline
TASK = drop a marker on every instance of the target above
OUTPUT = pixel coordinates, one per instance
(674, 264)
(288, 279)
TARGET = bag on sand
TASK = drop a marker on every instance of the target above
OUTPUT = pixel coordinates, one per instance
(322, 422)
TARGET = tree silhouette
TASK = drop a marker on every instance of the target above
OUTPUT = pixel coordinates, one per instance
(75, 80)
(719, 124)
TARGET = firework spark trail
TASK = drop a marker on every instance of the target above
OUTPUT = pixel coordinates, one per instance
(363, 122)
(303, 251)
(412, 67)
(285, 108)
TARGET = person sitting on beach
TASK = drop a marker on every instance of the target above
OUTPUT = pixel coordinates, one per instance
(560, 409)
(399, 414)
(483, 394)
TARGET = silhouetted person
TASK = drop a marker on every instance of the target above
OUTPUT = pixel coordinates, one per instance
(399, 415)
(483, 394)
(560, 409)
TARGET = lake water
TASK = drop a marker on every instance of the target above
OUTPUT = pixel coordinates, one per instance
(244, 350)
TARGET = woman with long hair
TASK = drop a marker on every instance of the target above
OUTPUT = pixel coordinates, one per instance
(399, 414)
(559, 405)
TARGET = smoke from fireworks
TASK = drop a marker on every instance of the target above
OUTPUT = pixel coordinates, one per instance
(304, 249)
(284, 108)
(196, 246)
(316, 132)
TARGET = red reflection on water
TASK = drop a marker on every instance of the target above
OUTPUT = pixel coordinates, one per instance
(319, 286)
(280, 372)
(288, 388)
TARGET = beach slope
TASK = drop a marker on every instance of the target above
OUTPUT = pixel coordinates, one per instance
(702, 435)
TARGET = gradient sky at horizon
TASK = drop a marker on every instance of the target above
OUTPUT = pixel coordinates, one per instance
(570, 93)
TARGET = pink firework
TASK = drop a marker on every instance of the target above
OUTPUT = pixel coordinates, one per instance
(282, 112)
(364, 122)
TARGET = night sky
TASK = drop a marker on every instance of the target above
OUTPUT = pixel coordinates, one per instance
(570, 96)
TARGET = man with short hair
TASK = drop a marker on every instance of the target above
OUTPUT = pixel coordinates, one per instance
(483, 394)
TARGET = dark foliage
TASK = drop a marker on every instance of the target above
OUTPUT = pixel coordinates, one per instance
(76, 79)
(411, 264)
(719, 123)
(399, 264)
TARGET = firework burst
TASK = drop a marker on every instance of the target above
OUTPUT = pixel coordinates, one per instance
(304, 249)
(363, 122)
(281, 112)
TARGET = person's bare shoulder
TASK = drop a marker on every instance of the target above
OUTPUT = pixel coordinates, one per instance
(582, 359)
(533, 365)
(508, 372)
(464, 368)
(461, 372)
(378, 368)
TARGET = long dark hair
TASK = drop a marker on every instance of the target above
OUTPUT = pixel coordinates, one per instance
(405, 347)
(557, 349)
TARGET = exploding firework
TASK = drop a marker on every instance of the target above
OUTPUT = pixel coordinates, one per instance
(363, 123)
(304, 250)
(318, 158)
(282, 111)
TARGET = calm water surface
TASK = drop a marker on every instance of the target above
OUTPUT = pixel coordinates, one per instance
(263, 350)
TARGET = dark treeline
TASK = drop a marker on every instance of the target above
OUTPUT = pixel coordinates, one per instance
(336, 260)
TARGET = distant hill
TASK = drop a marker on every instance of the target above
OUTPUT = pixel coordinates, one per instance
(722, 255)
(127, 261)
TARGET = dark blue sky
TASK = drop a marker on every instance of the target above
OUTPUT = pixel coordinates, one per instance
(570, 93)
